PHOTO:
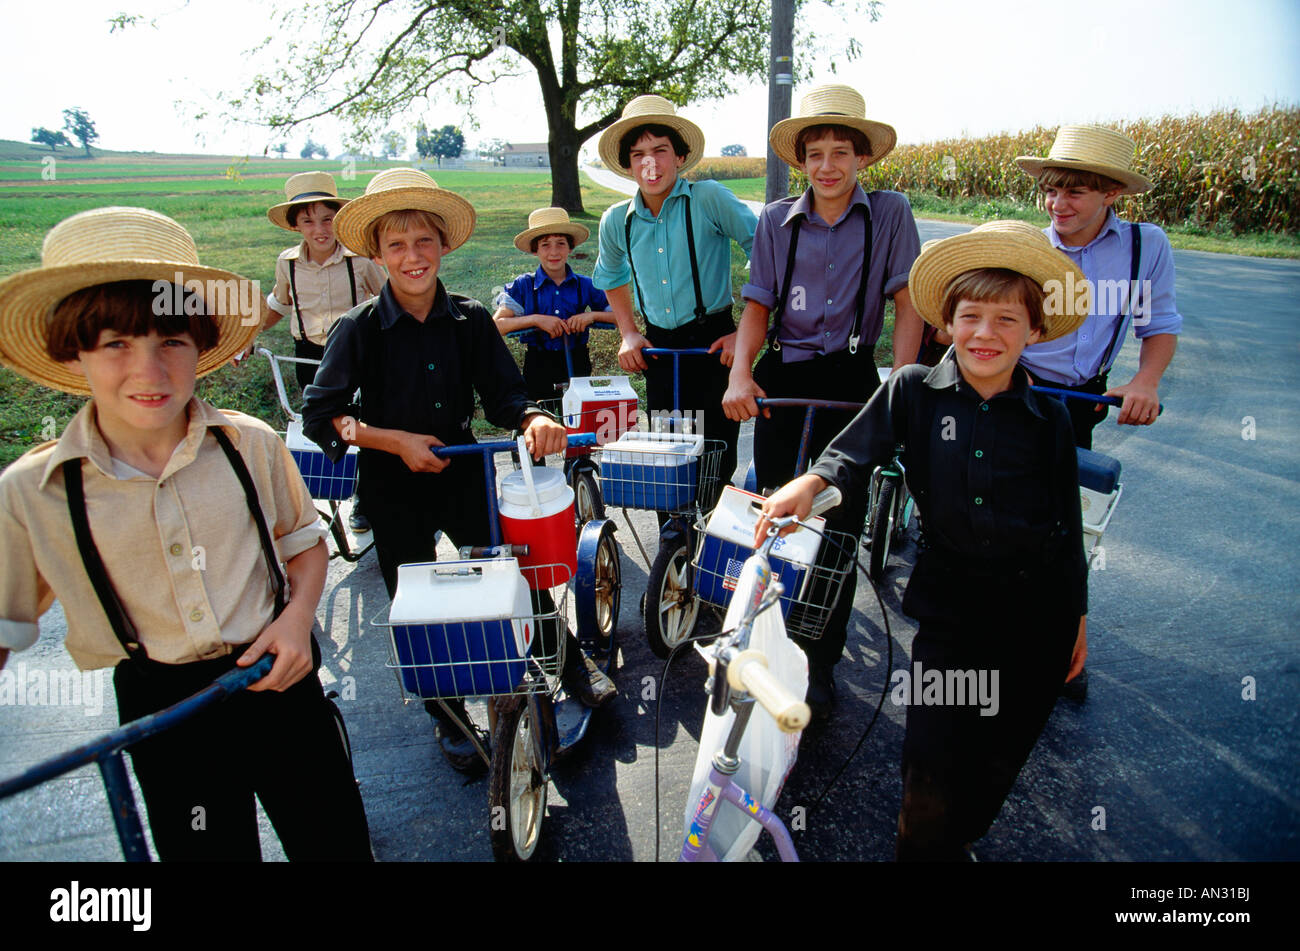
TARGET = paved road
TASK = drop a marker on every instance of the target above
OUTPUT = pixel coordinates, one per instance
(1198, 594)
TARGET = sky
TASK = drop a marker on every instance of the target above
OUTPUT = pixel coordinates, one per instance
(933, 69)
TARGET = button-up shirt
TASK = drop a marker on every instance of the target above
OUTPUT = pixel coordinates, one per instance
(996, 481)
(416, 376)
(537, 294)
(822, 300)
(324, 294)
(1106, 261)
(181, 550)
(659, 246)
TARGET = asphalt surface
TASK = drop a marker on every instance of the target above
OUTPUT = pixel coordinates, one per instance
(1187, 746)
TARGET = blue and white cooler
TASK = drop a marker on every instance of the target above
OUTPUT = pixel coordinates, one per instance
(325, 479)
(659, 471)
(461, 628)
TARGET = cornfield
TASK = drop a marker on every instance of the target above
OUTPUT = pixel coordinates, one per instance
(727, 167)
(1222, 171)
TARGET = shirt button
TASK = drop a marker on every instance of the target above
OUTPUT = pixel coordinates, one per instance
(830, 267)
(175, 549)
(829, 302)
(437, 406)
(430, 366)
(984, 407)
(661, 282)
(979, 453)
(661, 250)
(978, 500)
(832, 229)
(668, 310)
(828, 333)
(196, 615)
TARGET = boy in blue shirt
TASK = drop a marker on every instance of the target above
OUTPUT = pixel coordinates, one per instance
(560, 304)
(1000, 586)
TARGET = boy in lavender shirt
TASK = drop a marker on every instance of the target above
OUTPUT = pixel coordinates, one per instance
(821, 268)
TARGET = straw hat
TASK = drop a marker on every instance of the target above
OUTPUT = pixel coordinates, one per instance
(550, 221)
(1013, 245)
(650, 110)
(305, 188)
(832, 105)
(98, 247)
(1091, 148)
(402, 189)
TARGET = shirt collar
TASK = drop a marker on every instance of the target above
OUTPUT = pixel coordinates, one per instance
(803, 205)
(83, 440)
(540, 277)
(300, 253)
(1111, 224)
(390, 310)
(947, 374)
(682, 187)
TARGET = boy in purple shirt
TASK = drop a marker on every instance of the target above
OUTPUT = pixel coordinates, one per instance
(822, 265)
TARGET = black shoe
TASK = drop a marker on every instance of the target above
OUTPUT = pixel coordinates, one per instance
(1076, 689)
(821, 690)
(357, 521)
(586, 681)
(456, 746)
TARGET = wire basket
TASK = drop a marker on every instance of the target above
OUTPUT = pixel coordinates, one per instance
(667, 481)
(519, 651)
(811, 593)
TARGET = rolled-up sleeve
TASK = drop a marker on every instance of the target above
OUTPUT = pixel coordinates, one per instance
(329, 395)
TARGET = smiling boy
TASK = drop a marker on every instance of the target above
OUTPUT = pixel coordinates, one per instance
(1000, 584)
(822, 267)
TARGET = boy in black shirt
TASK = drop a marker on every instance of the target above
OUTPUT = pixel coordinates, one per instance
(1000, 586)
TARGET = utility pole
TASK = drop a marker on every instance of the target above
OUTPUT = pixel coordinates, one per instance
(780, 92)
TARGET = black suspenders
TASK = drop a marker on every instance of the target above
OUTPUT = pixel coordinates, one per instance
(784, 289)
(293, 289)
(690, 246)
(1134, 297)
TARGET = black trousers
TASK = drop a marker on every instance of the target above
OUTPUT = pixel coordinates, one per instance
(1084, 416)
(702, 382)
(307, 350)
(545, 370)
(200, 777)
(837, 376)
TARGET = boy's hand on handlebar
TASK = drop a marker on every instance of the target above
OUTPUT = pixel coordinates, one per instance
(725, 347)
(794, 498)
(629, 352)
(416, 450)
(1141, 404)
(544, 436)
(738, 402)
(549, 324)
(288, 637)
(580, 322)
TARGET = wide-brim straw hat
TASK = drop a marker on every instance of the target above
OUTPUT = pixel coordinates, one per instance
(305, 188)
(402, 189)
(831, 105)
(546, 221)
(1012, 245)
(1091, 148)
(99, 247)
(650, 110)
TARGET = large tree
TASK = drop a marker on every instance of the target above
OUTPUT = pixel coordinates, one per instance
(447, 142)
(365, 61)
(80, 127)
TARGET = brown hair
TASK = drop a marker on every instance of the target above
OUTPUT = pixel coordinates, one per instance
(995, 284)
(840, 133)
(295, 210)
(633, 136)
(532, 245)
(127, 307)
(1053, 176)
(404, 220)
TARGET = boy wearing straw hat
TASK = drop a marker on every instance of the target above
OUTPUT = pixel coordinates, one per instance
(149, 482)
(670, 245)
(419, 355)
(1130, 268)
(825, 303)
(560, 304)
(1000, 586)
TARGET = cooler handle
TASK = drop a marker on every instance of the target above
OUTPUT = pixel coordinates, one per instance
(526, 467)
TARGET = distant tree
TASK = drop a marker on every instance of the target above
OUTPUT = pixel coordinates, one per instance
(322, 151)
(447, 142)
(394, 143)
(492, 149)
(734, 150)
(43, 136)
(312, 149)
(80, 127)
(281, 148)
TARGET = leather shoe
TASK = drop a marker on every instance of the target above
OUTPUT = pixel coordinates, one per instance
(821, 690)
(585, 680)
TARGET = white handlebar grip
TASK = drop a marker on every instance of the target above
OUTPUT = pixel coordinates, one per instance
(827, 498)
(748, 672)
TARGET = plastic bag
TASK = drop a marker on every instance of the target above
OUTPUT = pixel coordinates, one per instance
(766, 754)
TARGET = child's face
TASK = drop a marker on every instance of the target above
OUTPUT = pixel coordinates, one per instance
(988, 337)
(412, 258)
(1077, 213)
(316, 225)
(655, 164)
(139, 384)
(832, 167)
(553, 252)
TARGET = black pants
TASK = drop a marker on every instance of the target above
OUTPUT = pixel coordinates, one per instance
(545, 370)
(702, 381)
(837, 376)
(306, 350)
(1084, 416)
(199, 778)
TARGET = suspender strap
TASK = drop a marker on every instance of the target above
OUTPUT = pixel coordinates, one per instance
(773, 335)
(122, 627)
(690, 247)
(352, 279)
(861, 304)
(1134, 297)
(293, 289)
(254, 509)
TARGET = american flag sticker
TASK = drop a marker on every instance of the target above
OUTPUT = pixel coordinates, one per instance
(732, 576)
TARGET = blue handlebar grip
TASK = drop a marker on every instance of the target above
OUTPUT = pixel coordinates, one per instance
(1090, 397)
(502, 445)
